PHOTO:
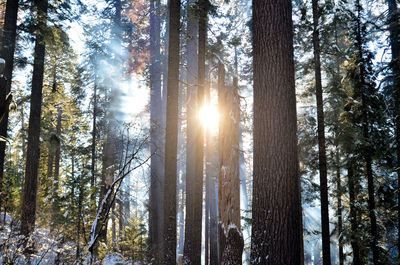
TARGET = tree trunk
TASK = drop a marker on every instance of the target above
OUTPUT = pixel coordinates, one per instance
(121, 222)
(109, 150)
(210, 175)
(80, 206)
(7, 53)
(32, 160)
(229, 177)
(181, 220)
(339, 208)
(55, 209)
(191, 135)
(213, 200)
(323, 179)
(94, 134)
(353, 215)
(171, 139)
(156, 189)
(113, 229)
(199, 168)
(365, 130)
(395, 64)
(276, 215)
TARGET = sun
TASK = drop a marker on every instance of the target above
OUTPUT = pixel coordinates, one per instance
(209, 116)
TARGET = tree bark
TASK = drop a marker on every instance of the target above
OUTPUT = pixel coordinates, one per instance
(395, 64)
(276, 215)
(32, 160)
(229, 177)
(156, 185)
(171, 139)
(323, 178)
(191, 135)
(7, 53)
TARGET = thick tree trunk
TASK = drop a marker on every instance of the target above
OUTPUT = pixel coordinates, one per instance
(353, 215)
(395, 64)
(32, 160)
(156, 185)
(171, 139)
(191, 132)
(276, 211)
(7, 53)
(323, 178)
(229, 177)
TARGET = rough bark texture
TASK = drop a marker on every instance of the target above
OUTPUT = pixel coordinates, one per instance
(229, 181)
(395, 64)
(157, 166)
(232, 254)
(229, 178)
(7, 53)
(191, 135)
(32, 159)
(276, 221)
(171, 139)
(323, 179)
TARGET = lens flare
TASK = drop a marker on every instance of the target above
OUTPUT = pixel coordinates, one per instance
(209, 116)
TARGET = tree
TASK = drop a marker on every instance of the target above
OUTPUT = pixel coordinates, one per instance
(229, 179)
(32, 160)
(7, 53)
(326, 244)
(171, 139)
(192, 73)
(395, 64)
(156, 192)
(276, 183)
(203, 7)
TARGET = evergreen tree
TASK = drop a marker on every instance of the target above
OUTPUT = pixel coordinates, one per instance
(276, 187)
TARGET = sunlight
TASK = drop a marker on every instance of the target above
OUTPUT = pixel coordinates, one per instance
(209, 116)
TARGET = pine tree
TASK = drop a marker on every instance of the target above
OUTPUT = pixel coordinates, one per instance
(191, 135)
(7, 53)
(31, 172)
(276, 184)
(326, 244)
(156, 194)
(171, 139)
